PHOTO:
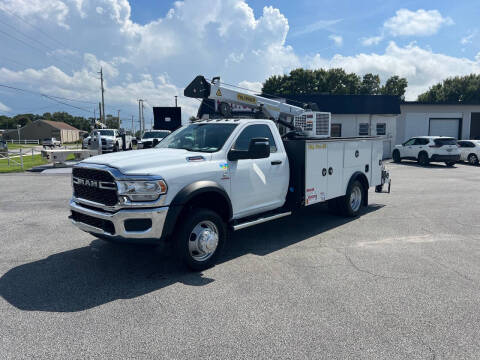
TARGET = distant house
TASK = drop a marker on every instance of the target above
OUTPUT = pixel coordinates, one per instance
(43, 129)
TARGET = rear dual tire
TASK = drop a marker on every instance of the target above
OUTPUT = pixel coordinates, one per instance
(351, 204)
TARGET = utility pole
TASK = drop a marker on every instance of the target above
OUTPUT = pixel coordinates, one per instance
(94, 117)
(133, 127)
(176, 101)
(118, 112)
(103, 100)
(100, 109)
(140, 115)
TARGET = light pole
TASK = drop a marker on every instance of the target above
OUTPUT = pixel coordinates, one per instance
(18, 132)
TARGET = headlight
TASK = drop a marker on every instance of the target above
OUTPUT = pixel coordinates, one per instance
(146, 190)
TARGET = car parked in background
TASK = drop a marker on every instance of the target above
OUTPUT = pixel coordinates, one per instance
(469, 151)
(427, 149)
(51, 142)
(152, 138)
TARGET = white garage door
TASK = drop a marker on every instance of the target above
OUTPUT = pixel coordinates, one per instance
(444, 127)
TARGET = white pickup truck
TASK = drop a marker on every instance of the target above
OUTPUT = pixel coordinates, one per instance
(111, 139)
(218, 175)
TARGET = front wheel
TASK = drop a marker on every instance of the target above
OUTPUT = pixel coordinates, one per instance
(200, 239)
(396, 156)
(423, 159)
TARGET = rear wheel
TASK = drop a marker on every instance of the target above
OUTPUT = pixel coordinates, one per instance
(473, 159)
(200, 239)
(396, 156)
(423, 159)
(351, 203)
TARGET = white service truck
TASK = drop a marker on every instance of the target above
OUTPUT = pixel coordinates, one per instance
(217, 175)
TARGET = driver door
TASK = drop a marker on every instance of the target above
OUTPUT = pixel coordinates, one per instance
(257, 184)
(407, 148)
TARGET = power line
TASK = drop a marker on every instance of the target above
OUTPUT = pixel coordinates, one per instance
(35, 27)
(46, 95)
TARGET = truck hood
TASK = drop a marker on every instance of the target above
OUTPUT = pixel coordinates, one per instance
(142, 161)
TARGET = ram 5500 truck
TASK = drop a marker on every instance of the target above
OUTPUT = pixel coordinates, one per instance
(213, 176)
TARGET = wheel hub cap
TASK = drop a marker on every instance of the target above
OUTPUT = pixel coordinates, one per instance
(356, 199)
(203, 240)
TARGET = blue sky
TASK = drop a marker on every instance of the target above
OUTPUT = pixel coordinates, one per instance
(152, 49)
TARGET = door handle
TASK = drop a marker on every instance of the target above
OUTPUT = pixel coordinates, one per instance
(276, 162)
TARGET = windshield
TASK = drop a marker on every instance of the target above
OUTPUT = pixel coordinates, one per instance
(204, 137)
(106, 132)
(155, 134)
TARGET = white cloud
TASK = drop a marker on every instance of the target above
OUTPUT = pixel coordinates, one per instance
(37, 10)
(374, 40)
(337, 40)
(4, 108)
(422, 67)
(316, 26)
(416, 23)
(468, 39)
(253, 86)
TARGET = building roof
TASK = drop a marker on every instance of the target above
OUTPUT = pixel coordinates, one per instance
(442, 104)
(335, 104)
(350, 104)
(59, 125)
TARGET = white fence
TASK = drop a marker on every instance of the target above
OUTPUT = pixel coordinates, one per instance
(25, 142)
(15, 158)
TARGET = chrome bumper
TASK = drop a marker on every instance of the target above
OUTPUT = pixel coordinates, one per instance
(154, 233)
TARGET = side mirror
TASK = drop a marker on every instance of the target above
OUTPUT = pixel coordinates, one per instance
(155, 142)
(259, 148)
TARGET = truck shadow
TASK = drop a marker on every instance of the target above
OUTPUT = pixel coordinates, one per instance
(94, 275)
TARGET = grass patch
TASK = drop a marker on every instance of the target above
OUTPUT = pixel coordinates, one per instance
(28, 163)
(20, 146)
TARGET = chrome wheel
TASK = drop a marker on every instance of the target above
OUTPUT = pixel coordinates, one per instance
(356, 199)
(203, 240)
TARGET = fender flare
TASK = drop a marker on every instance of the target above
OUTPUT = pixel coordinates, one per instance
(358, 175)
(185, 195)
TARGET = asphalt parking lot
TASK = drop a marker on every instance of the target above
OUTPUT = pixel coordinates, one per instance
(400, 282)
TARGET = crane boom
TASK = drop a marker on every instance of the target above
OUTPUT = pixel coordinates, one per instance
(201, 88)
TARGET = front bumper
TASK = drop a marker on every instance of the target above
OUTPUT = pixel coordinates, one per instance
(443, 158)
(113, 225)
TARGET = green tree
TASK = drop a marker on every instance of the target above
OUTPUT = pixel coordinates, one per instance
(465, 89)
(395, 86)
(370, 84)
(331, 81)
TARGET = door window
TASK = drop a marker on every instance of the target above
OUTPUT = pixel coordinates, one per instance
(421, 142)
(254, 131)
(409, 142)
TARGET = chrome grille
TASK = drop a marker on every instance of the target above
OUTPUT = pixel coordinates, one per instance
(105, 196)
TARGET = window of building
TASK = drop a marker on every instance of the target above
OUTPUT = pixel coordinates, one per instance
(336, 130)
(363, 129)
(381, 129)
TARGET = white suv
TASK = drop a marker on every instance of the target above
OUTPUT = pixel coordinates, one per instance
(426, 149)
(469, 151)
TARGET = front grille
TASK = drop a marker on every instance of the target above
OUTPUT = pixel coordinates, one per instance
(105, 225)
(103, 196)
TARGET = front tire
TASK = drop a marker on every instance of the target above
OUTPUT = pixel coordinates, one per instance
(473, 159)
(396, 156)
(200, 239)
(423, 159)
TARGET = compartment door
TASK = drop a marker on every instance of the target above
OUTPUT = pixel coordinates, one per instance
(335, 170)
(316, 173)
